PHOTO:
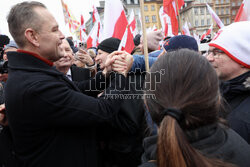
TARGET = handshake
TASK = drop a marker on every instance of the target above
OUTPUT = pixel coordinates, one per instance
(118, 61)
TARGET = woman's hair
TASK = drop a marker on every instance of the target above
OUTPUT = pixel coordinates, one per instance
(189, 84)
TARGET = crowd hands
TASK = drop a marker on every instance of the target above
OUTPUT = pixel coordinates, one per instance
(195, 93)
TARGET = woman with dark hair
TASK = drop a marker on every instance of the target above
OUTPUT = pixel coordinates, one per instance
(186, 110)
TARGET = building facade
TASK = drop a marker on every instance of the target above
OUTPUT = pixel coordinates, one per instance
(151, 12)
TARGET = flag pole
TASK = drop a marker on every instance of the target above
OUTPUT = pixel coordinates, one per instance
(178, 14)
(145, 42)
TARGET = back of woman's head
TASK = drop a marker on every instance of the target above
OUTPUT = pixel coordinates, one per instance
(187, 97)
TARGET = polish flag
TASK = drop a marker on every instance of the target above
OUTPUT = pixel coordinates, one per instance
(93, 37)
(96, 18)
(244, 12)
(115, 22)
(215, 17)
(171, 9)
(83, 35)
(209, 31)
(185, 29)
(165, 23)
(154, 28)
(132, 23)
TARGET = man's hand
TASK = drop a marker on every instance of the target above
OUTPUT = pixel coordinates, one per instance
(84, 57)
(119, 61)
(3, 119)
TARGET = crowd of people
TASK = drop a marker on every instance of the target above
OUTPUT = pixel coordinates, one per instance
(99, 107)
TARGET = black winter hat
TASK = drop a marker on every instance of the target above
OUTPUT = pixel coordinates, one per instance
(137, 39)
(109, 45)
(179, 42)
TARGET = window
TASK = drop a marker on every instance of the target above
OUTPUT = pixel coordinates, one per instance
(202, 11)
(145, 8)
(239, 3)
(154, 19)
(227, 1)
(234, 12)
(153, 7)
(222, 11)
(227, 10)
(217, 11)
(217, 1)
(196, 11)
(146, 19)
(233, 3)
(196, 23)
(228, 21)
(202, 1)
(208, 22)
(221, 1)
(128, 2)
(202, 22)
(207, 11)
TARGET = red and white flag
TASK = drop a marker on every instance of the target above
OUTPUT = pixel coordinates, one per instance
(93, 37)
(171, 9)
(209, 31)
(132, 23)
(244, 12)
(165, 23)
(115, 22)
(83, 35)
(215, 16)
(185, 29)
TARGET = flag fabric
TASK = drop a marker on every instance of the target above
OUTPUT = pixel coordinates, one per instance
(132, 23)
(154, 28)
(171, 9)
(83, 35)
(74, 25)
(165, 23)
(96, 18)
(196, 37)
(93, 40)
(115, 22)
(185, 29)
(215, 16)
(244, 12)
(209, 31)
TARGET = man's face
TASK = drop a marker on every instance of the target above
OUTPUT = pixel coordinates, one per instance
(67, 59)
(101, 58)
(49, 36)
(225, 67)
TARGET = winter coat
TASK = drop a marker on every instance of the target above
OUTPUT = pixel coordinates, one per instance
(53, 123)
(212, 141)
(237, 95)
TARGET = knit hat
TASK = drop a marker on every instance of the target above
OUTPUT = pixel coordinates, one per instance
(109, 45)
(12, 44)
(137, 39)
(234, 40)
(179, 42)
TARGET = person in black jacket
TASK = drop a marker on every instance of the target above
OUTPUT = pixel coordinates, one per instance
(121, 146)
(186, 110)
(231, 60)
(52, 122)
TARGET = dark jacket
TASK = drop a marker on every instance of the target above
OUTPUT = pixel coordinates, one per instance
(52, 122)
(121, 142)
(237, 95)
(80, 74)
(212, 141)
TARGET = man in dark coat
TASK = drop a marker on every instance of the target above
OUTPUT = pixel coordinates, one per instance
(52, 122)
(229, 54)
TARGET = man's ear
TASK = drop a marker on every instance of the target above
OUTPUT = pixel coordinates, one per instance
(32, 37)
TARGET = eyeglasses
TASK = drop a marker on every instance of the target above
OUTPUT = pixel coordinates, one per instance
(215, 53)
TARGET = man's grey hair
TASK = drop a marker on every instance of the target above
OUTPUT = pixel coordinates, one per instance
(21, 17)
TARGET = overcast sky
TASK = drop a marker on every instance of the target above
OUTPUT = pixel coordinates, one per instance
(77, 7)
